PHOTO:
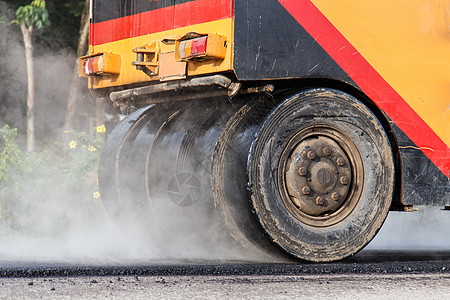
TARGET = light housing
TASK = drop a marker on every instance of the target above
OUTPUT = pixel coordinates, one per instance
(99, 64)
(195, 46)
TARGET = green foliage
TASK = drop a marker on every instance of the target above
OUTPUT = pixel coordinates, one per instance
(2, 19)
(83, 154)
(74, 8)
(12, 159)
(44, 193)
(33, 15)
(65, 23)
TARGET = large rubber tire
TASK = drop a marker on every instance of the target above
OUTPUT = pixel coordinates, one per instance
(155, 173)
(114, 154)
(229, 179)
(298, 190)
(177, 172)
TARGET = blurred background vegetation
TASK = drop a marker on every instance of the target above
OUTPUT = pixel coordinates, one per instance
(65, 22)
(54, 56)
(47, 192)
(56, 184)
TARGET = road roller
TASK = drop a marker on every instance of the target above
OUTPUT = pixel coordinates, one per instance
(294, 126)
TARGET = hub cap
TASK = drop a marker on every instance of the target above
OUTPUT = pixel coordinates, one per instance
(320, 171)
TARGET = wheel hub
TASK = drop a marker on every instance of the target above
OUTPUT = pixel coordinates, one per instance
(320, 171)
(318, 175)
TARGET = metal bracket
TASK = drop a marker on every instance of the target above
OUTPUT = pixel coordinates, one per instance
(147, 58)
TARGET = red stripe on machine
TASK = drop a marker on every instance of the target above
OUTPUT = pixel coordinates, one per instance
(176, 16)
(370, 81)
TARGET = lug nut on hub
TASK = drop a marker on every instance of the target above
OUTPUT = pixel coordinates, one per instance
(311, 155)
(340, 161)
(326, 151)
(319, 201)
(335, 196)
(344, 180)
(306, 190)
(302, 171)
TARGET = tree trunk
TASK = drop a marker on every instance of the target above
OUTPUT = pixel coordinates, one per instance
(26, 32)
(75, 86)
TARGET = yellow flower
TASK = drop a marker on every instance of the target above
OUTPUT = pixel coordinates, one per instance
(92, 149)
(101, 129)
(72, 145)
(96, 195)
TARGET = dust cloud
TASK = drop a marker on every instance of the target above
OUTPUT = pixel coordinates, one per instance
(428, 228)
(46, 215)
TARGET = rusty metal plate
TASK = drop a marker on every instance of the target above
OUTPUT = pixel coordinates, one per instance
(170, 69)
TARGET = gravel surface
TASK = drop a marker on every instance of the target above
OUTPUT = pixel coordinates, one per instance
(332, 286)
(368, 275)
